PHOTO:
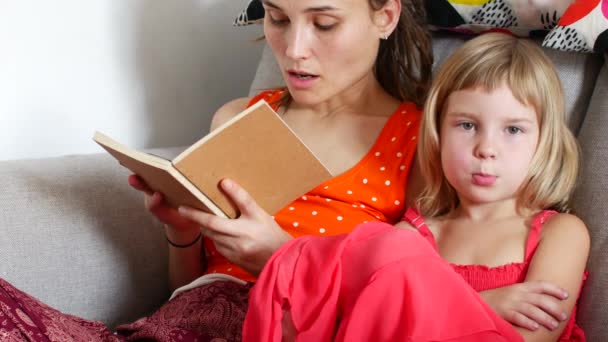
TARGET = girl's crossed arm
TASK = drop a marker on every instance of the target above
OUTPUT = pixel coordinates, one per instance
(560, 258)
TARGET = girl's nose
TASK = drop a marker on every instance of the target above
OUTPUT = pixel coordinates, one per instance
(486, 148)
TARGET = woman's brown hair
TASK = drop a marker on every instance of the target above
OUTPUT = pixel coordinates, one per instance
(404, 63)
(405, 59)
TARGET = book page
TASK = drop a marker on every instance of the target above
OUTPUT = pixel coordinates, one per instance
(159, 174)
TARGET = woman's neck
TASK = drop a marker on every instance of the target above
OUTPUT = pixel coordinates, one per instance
(365, 97)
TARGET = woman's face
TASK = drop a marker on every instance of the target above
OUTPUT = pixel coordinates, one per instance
(323, 47)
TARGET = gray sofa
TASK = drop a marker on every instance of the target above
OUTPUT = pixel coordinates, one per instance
(76, 236)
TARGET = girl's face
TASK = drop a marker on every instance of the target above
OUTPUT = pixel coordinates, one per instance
(323, 47)
(487, 142)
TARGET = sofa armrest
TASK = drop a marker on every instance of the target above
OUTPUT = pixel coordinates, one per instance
(76, 236)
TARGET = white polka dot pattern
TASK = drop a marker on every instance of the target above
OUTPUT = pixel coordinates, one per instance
(372, 190)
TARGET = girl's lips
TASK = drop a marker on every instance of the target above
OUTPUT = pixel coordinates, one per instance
(483, 180)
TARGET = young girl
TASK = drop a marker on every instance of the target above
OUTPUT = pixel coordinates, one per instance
(500, 165)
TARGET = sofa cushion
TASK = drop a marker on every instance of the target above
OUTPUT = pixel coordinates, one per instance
(590, 203)
(76, 236)
(267, 75)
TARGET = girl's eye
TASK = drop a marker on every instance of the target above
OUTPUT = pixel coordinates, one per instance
(467, 125)
(513, 130)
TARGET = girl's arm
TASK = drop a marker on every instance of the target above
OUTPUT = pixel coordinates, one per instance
(560, 258)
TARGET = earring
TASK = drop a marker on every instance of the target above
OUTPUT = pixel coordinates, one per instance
(384, 36)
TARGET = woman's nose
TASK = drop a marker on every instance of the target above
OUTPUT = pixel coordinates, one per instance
(298, 46)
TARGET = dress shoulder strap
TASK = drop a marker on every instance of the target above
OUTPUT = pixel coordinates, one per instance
(537, 227)
(273, 97)
(413, 217)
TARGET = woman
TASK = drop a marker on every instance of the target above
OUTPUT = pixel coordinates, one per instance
(355, 72)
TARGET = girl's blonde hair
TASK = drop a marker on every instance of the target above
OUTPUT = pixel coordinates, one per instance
(489, 61)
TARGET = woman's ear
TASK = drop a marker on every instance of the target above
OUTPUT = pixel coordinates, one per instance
(387, 18)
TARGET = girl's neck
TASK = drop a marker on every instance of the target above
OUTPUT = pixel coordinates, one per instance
(493, 211)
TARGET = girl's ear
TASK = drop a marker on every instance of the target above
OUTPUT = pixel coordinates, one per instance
(387, 18)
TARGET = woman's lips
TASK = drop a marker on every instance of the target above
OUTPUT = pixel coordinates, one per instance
(301, 80)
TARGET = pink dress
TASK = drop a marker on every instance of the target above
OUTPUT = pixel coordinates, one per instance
(483, 278)
(377, 283)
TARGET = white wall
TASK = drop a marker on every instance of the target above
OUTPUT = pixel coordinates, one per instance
(147, 72)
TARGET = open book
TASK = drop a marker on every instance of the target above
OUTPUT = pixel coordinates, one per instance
(255, 148)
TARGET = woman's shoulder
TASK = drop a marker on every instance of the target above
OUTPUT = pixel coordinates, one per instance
(228, 111)
(234, 107)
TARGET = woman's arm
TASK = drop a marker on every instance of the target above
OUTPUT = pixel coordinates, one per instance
(187, 264)
(560, 258)
(247, 241)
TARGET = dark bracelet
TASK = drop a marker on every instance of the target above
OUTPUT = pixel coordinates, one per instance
(198, 237)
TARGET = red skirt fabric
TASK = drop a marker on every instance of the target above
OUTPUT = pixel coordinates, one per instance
(378, 283)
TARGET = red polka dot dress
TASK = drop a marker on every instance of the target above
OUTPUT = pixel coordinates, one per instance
(373, 190)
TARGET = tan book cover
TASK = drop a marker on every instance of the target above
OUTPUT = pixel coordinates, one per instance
(255, 148)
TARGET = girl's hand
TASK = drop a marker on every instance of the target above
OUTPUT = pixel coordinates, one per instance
(529, 304)
(248, 240)
(178, 226)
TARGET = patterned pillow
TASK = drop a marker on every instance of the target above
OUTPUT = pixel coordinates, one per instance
(583, 27)
(521, 17)
(524, 18)
(253, 13)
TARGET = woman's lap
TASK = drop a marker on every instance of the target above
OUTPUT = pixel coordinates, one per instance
(25, 318)
(215, 311)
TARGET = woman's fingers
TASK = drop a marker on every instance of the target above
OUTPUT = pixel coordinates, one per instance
(241, 198)
(166, 214)
(212, 226)
(136, 182)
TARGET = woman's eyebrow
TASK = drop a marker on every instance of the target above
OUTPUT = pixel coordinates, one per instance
(310, 9)
(270, 4)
